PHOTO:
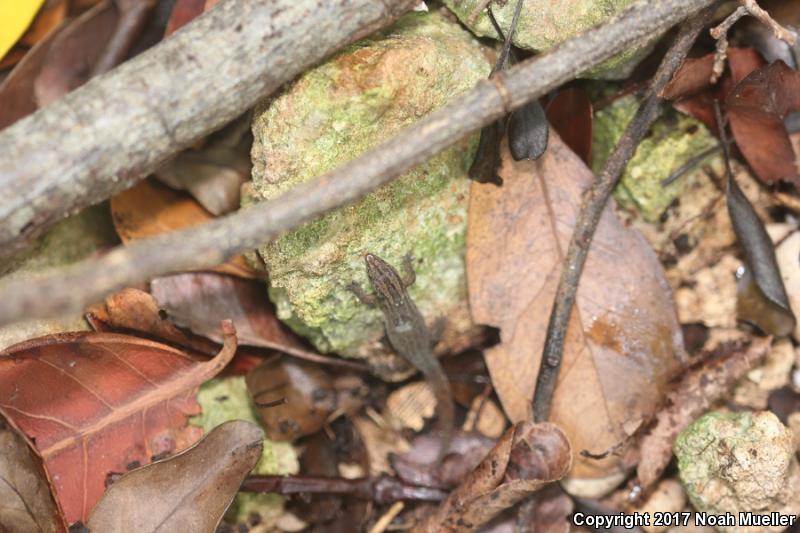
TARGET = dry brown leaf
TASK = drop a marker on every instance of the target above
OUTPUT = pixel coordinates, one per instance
(50, 15)
(187, 492)
(150, 209)
(26, 503)
(307, 391)
(692, 397)
(623, 342)
(74, 52)
(526, 458)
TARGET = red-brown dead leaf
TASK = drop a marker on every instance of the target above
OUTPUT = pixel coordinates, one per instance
(756, 108)
(150, 208)
(691, 86)
(74, 52)
(182, 12)
(99, 403)
(525, 459)
(693, 76)
(50, 15)
(16, 91)
(197, 301)
(623, 342)
(570, 114)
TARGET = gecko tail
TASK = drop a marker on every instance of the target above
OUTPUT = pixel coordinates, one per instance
(445, 411)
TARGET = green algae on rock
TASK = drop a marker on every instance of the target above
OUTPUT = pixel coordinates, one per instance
(544, 24)
(335, 113)
(675, 138)
(739, 462)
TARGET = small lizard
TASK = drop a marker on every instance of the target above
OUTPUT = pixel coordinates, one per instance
(408, 334)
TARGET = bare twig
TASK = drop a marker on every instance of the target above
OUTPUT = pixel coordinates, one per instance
(203, 246)
(105, 136)
(382, 490)
(720, 33)
(594, 201)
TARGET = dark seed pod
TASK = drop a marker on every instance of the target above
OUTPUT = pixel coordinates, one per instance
(528, 132)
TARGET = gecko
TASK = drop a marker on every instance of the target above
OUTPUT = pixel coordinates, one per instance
(408, 334)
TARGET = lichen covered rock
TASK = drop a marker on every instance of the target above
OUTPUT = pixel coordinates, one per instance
(739, 462)
(544, 24)
(336, 112)
(675, 138)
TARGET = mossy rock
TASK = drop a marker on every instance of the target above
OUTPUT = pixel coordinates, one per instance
(739, 462)
(544, 24)
(674, 139)
(335, 113)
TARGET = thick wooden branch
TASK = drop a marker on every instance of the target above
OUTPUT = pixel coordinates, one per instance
(204, 246)
(113, 131)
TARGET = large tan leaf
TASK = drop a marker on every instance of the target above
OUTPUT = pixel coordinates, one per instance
(623, 341)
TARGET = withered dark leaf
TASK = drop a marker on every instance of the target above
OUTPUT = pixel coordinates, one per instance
(526, 458)
(528, 132)
(487, 158)
(187, 492)
(775, 315)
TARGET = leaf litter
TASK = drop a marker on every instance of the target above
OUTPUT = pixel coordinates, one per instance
(694, 241)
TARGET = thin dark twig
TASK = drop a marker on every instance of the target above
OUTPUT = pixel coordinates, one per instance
(594, 201)
(381, 491)
(691, 163)
(506, 50)
(68, 289)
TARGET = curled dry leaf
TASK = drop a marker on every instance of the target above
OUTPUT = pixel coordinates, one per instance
(623, 342)
(487, 158)
(214, 173)
(26, 503)
(308, 392)
(526, 458)
(187, 492)
(696, 392)
(150, 208)
(198, 301)
(95, 404)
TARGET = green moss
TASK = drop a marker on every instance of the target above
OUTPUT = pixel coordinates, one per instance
(674, 139)
(544, 24)
(227, 399)
(335, 113)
